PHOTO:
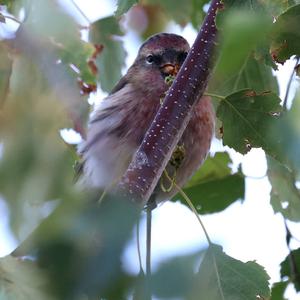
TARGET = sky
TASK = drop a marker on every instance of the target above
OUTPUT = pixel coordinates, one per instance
(248, 231)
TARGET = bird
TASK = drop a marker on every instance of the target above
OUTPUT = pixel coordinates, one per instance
(118, 124)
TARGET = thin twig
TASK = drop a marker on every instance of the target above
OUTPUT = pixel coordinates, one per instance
(148, 240)
(81, 12)
(289, 85)
(138, 245)
(214, 96)
(190, 204)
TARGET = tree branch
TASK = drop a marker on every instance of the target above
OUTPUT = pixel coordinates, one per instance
(164, 133)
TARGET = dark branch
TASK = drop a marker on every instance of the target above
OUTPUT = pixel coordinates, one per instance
(164, 133)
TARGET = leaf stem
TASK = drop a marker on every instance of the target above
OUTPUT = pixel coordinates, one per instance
(218, 276)
(148, 241)
(289, 85)
(190, 204)
(138, 245)
(12, 18)
(215, 96)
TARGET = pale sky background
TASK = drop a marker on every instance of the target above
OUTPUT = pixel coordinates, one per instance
(247, 231)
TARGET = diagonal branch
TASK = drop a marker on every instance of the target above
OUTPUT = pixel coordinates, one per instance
(173, 116)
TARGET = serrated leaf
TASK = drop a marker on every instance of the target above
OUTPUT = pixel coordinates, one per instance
(285, 196)
(290, 268)
(286, 36)
(21, 279)
(112, 58)
(247, 118)
(123, 6)
(252, 75)
(5, 72)
(223, 277)
(201, 189)
(278, 290)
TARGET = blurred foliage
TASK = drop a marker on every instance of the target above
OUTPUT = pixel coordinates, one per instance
(241, 33)
(22, 280)
(290, 268)
(285, 196)
(5, 72)
(47, 72)
(123, 6)
(111, 59)
(286, 35)
(278, 290)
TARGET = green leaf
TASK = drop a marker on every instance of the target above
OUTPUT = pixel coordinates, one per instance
(197, 13)
(286, 35)
(180, 12)
(241, 32)
(21, 279)
(5, 72)
(2, 19)
(287, 132)
(276, 7)
(253, 74)
(254, 5)
(174, 278)
(213, 168)
(12, 6)
(36, 165)
(290, 268)
(62, 38)
(79, 246)
(209, 199)
(246, 118)
(112, 58)
(285, 196)
(123, 6)
(223, 277)
(201, 189)
(278, 290)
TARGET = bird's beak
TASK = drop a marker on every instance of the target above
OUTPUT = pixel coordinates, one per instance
(170, 69)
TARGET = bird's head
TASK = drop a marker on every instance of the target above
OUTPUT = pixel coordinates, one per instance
(159, 56)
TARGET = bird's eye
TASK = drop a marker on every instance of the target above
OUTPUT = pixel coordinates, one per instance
(150, 59)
